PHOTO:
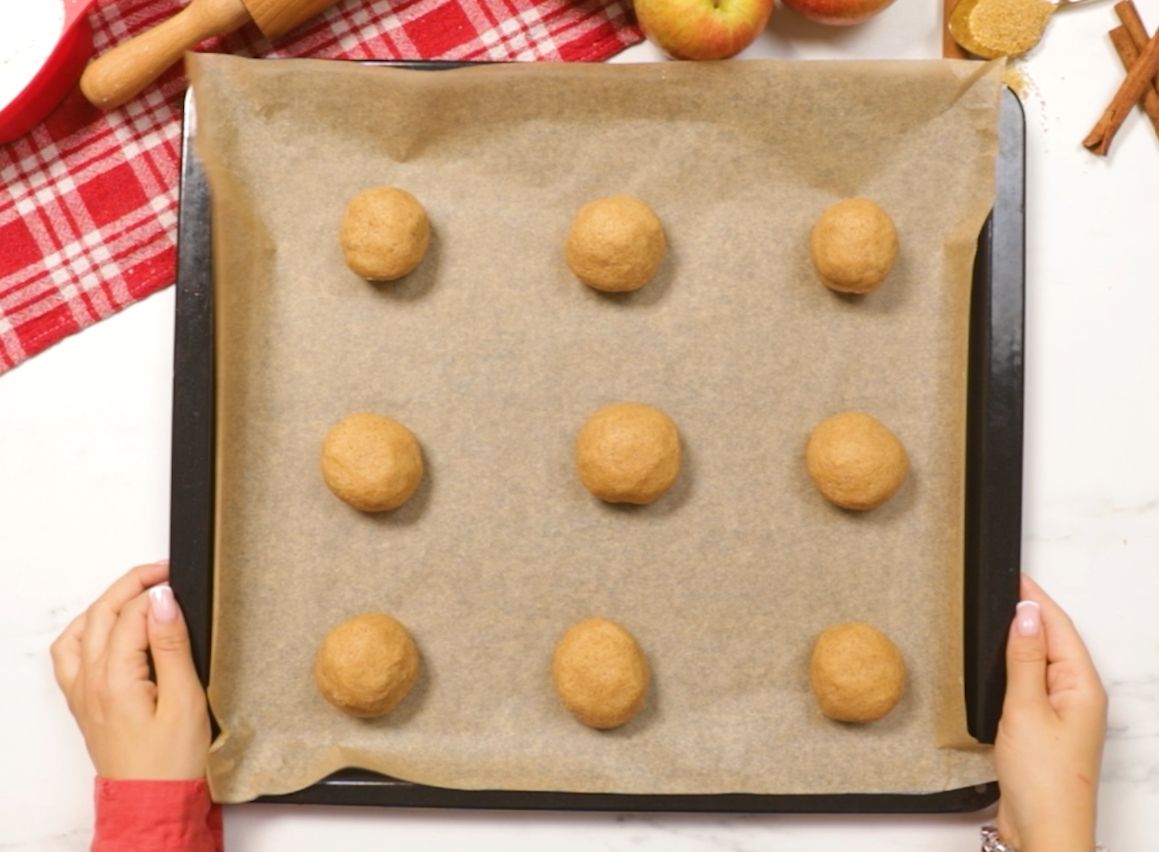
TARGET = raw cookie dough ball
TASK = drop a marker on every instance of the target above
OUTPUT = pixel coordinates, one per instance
(858, 674)
(367, 665)
(385, 233)
(599, 673)
(628, 453)
(371, 462)
(615, 244)
(853, 245)
(855, 461)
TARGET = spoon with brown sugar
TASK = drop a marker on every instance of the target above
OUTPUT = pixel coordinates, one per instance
(994, 28)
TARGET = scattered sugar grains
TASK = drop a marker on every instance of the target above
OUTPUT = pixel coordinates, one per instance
(1008, 27)
(27, 43)
(1016, 80)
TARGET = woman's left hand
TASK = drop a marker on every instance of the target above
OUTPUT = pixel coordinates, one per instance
(135, 728)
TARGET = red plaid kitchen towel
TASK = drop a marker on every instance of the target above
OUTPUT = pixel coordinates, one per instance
(88, 202)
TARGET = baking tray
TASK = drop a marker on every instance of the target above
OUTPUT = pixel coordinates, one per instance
(993, 505)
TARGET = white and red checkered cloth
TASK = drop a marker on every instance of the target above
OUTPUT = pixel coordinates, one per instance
(88, 202)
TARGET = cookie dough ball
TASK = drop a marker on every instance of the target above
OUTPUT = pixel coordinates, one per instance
(367, 665)
(599, 673)
(385, 233)
(853, 245)
(855, 461)
(371, 462)
(858, 674)
(615, 244)
(628, 453)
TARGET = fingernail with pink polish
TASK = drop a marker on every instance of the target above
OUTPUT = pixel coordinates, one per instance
(162, 604)
(1028, 618)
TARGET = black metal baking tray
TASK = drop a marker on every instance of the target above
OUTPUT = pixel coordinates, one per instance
(993, 507)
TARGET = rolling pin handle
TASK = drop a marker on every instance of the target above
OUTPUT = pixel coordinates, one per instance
(120, 74)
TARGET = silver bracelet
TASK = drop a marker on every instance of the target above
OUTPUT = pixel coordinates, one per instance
(991, 842)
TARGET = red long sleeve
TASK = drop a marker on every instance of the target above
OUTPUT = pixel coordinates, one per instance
(155, 816)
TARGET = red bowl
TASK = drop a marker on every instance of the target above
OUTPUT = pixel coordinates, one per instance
(56, 77)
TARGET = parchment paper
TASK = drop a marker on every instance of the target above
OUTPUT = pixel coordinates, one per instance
(494, 355)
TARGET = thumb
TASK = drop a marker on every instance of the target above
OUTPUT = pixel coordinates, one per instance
(169, 646)
(1026, 659)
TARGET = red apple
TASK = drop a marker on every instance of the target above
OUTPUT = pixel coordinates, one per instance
(703, 29)
(838, 13)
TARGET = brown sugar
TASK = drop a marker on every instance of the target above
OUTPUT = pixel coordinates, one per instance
(993, 28)
(1016, 80)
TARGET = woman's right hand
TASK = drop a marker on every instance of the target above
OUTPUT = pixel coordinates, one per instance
(1050, 737)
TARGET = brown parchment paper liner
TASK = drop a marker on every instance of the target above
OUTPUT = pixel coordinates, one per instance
(494, 355)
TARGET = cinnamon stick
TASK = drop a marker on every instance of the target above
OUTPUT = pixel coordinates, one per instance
(1129, 15)
(1125, 47)
(1138, 81)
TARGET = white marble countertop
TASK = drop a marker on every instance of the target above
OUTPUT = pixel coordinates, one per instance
(84, 487)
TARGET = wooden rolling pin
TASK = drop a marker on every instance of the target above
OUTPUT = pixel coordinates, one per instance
(120, 74)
